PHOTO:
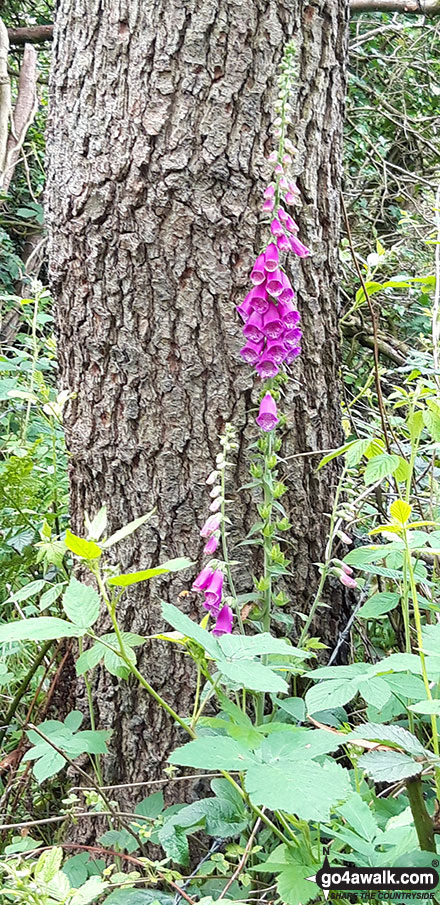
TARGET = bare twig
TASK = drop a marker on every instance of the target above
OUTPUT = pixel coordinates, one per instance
(24, 112)
(243, 858)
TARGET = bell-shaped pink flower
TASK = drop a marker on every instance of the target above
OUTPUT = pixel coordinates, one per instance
(290, 198)
(257, 273)
(211, 479)
(292, 354)
(276, 350)
(298, 248)
(212, 524)
(223, 625)
(251, 351)
(276, 228)
(292, 226)
(267, 415)
(268, 205)
(214, 589)
(254, 328)
(347, 580)
(287, 292)
(203, 579)
(279, 169)
(289, 314)
(215, 505)
(245, 308)
(275, 283)
(271, 258)
(258, 299)
(211, 545)
(283, 182)
(273, 325)
(266, 367)
(282, 214)
(269, 191)
(292, 337)
(283, 243)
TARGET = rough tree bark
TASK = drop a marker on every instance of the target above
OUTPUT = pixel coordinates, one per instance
(160, 116)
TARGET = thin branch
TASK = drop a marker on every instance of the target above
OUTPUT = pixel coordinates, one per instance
(5, 96)
(414, 7)
(34, 34)
(24, 112)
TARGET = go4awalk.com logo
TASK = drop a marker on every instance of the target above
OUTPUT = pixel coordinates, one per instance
(417, 880)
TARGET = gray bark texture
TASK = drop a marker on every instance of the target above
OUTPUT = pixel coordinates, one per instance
(160, 118)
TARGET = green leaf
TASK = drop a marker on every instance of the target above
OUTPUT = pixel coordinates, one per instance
(388, 735)
(86, 549)
(359, 816)
(182, 623)
(139, 897)
(402, 472)
(432, 707)
(48, 865)
(48, 765)
(380, 467)
(251, 675)
(374, 691)
(39, 628)
(81, 603)
(150, 806)
(310, 790)
(295, 706)
(400, 511)
(122, 840)
(174, 841)
(91, 890)
(73, 720)
(379, 605)
(431, 419)
(335, 453)
(89, 659)
(388, 766)
(415, 424)
(173, 565)
(49, 596)
(293, 886)
(249, 646)
(29, 590)
(356, 452)
(127, 530)
(213, 753)
(330, 694)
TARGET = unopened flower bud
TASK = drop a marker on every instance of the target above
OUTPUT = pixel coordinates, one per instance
(211, 479)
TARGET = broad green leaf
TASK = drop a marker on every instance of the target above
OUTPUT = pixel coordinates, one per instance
(310, 790)
(431, 419)
(127, 530)
(86, 549)
(330, 694)
(388, 766)
(295, 744)
(139, 897)
(374, 691)
(388, 735)
(402, 471)
(73, 720)
(356, 452)
(81, 603)
(359, 816)
(404, 685)
(29, 590)
(415, 424)
(48, 865)
(432, 707)
(295, 706)
(254, 676)
(378, 605)
(150, 806)
(293, 886)
(39, 628)
(89, 659)
(48, 765)
(89, 892)
(380, 467)
(372, 287)
(174, 841)
(90, 741)
(213, 753)
(49, 596)
(121, 840)
(249, 646)
(182, 623)
(400, 511)
(173, 565)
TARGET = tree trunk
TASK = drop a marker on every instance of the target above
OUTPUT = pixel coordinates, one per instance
(160, 116)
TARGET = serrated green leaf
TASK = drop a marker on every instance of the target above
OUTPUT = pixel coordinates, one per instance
(86, 549)
(249, 646)
(380, 467)
(400, 511)
(388, 735)
(208, 753)
(48, 865)
(253, 676)
(388, 766)
(182, 623)
(310, 790)
(29, 590)
(432, 707)
(293, 886)
(39, 628)
(330, 694)
(81, 603)
(48, 765)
